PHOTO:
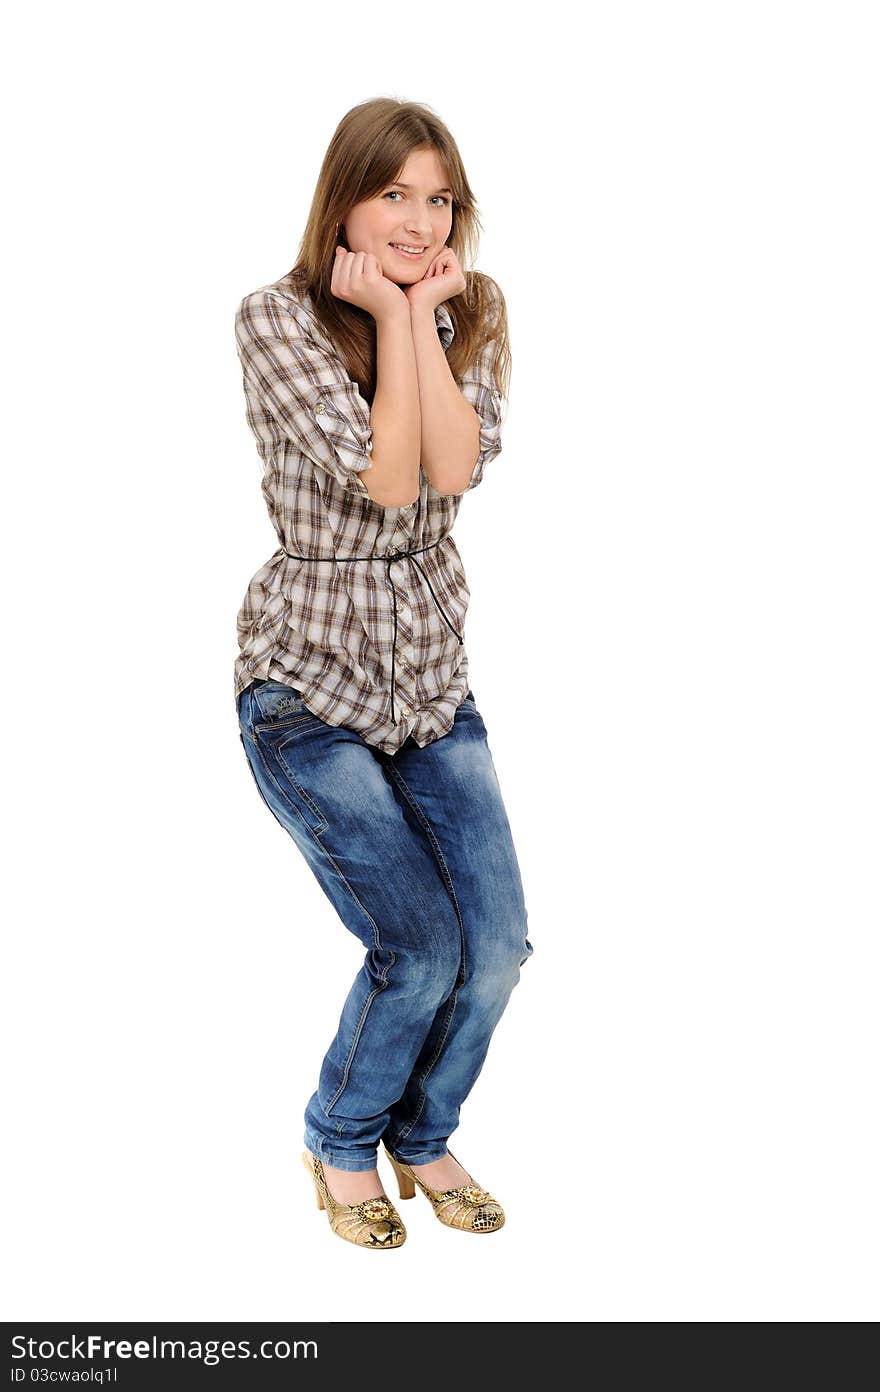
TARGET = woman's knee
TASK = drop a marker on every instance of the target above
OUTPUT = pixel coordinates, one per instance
(428, 971)
(494, 961)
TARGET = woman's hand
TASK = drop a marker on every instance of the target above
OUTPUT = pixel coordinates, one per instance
(443, 279)
(358, 278)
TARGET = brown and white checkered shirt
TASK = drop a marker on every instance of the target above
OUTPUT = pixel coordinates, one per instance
(372, 638)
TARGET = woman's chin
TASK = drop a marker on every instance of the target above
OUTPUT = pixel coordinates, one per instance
(400, 277)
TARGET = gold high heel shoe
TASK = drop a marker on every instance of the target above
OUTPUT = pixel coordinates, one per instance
(468, 1207)
(370, 1223)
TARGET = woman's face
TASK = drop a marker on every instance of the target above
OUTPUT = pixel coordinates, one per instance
(415, 212)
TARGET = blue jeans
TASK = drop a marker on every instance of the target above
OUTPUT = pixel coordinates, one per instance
(414, 851)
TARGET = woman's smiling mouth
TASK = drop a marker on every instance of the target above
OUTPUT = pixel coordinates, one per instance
(404, 249)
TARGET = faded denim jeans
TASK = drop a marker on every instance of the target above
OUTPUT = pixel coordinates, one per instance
(414, 851)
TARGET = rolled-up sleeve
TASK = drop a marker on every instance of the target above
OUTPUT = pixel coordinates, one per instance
(304, 388)
(479, 389)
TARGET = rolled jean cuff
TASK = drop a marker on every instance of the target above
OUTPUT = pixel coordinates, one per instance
(361, 1159)
(424, 1158)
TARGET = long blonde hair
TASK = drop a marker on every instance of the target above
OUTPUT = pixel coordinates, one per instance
(369, 149)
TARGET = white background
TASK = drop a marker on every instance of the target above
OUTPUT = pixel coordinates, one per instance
(672, 638)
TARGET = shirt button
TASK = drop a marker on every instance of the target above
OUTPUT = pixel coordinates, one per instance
(249, 665)
(320, 408)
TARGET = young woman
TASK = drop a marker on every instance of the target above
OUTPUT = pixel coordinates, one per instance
(374, 375)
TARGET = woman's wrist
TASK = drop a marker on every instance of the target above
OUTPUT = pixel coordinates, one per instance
(394, 313)
(419, 310)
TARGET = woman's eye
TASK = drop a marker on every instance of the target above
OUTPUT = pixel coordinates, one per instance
(443, 199)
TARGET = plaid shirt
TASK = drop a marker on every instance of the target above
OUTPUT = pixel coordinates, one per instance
(372, 639)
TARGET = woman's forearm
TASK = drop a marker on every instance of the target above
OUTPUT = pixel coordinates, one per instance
(450, 427)
(395, 415)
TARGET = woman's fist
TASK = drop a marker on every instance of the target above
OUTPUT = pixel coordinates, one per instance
(358, 278)
(443, 279)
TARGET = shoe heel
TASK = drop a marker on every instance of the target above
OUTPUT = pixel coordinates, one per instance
(318, 1194)
(405, 1185)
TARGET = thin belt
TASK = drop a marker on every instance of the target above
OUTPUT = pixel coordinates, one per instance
(390, 556)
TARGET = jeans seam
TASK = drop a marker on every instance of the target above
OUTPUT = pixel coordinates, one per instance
(377, 941)
(447, 880)
(406, 1130)
(357, 1035)
(429, 832)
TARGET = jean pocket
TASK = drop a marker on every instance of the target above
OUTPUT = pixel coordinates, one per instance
(273, 759)
(274, 701)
